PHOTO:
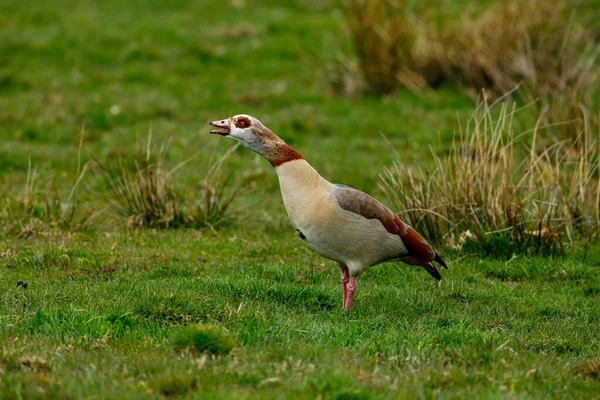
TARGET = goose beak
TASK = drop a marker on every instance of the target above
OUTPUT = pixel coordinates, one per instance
(223, 124)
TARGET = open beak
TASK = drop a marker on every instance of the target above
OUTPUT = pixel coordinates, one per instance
(223, 124)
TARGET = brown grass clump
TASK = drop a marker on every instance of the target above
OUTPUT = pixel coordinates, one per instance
(386, 38)
(379, 39)
(591, 368)
(501, 191)
(143, 191)
(547, 46)
(141, 188)
(533, 41)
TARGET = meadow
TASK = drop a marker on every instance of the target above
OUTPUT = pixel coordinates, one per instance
(87, 83)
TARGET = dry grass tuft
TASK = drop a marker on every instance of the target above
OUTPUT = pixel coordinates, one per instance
(533, 41)
(385, 36)
(141, 188)
(591, 368)
(44, 207)
(143, 191)
(547, 46)
(500, 191)
(217, 194)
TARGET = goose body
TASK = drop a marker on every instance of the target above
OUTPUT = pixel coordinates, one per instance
(332, 232)
(337, 222)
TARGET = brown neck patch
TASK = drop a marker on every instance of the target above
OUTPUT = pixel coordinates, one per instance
(282, 153)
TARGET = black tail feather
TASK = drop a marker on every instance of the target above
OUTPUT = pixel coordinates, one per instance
(439, 260)
(433, 271)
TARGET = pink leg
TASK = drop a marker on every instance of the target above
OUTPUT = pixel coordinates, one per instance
(345, 280)
(350, 287)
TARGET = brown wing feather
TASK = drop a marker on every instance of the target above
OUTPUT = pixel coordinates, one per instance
(419, 251)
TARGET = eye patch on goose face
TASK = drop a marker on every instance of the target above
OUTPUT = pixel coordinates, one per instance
(242, 122)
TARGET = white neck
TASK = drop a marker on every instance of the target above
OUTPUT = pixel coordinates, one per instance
(299, 175)
(302, 189)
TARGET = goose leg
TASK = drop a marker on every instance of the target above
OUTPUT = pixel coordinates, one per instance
(345, 280)
(350, 287)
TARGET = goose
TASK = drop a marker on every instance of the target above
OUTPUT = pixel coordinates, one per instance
(336, 221)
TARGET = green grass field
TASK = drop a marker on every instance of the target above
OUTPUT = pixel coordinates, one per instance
(104, 304)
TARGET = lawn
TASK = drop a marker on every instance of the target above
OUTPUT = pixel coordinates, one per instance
(105, 302)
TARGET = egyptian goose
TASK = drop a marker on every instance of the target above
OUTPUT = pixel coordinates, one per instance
(336, 221)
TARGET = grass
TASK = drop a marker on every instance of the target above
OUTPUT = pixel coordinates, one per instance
(103, 306)
(550, 48)
(204, 339)
(143, 191)
(102, 316)
(503, 190)
(38, 209)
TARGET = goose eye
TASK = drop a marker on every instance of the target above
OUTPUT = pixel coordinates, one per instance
(242, 123)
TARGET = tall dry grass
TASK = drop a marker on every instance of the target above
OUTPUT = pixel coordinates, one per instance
(548, 47)
(216, 194)
(44, 206)
(379, 39)
(390, 43)
(501, 190)
(143, 190)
